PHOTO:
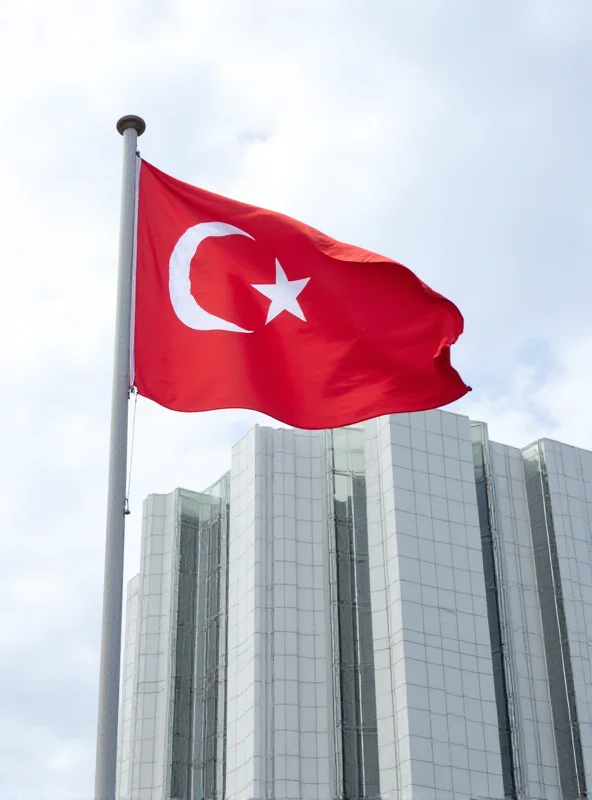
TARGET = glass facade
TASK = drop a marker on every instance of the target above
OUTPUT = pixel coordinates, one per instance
(199, 694)
(485, 506)
(356, 745)
(413, 561)
(557, 651)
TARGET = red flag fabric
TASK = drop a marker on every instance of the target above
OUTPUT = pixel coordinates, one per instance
(239, 307)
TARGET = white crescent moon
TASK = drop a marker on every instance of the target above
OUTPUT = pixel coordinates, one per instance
(184, 304)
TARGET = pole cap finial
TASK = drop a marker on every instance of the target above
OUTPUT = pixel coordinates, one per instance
(131, 121)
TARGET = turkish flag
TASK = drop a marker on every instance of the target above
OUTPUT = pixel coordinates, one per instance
(238, 307)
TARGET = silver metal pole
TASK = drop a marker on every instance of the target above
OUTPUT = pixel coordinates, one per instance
(130, 127)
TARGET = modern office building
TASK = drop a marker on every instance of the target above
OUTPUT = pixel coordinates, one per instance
(401, 610)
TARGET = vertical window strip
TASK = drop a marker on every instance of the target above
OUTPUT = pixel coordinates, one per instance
(556, 642)
(199, 681)
(492, 592)
(352, 629)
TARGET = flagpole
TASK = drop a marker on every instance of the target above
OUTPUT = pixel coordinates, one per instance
(130, 127)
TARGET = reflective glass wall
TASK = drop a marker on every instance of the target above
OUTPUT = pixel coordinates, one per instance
(199, 705)
(555, 630)
(356, 742)
(485, 505)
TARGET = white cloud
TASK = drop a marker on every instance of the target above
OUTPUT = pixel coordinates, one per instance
(450, 136)
(556, 407)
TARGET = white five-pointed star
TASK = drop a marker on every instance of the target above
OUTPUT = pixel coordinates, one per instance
(283, 294)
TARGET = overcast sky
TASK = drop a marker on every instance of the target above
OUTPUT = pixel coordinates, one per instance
(451, 135)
